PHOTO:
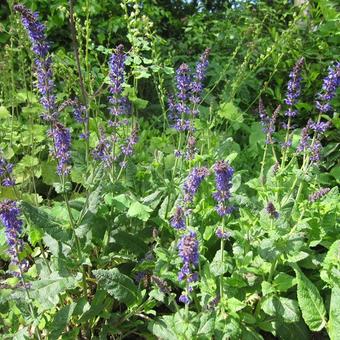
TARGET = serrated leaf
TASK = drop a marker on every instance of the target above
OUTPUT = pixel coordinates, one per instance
(310, 302)
(118, 285)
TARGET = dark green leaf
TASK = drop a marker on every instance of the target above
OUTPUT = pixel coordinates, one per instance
(118, 285)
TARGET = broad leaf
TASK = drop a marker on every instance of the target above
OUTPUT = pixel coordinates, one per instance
(140, 211)
(334, 314)
(118, 285)
(310, 302)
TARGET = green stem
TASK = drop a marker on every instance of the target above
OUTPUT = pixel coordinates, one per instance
(263, 163)
(222, 257)
(78, 245)
(33, 315)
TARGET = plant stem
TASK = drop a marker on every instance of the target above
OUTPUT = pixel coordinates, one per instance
(78, 245)
(263, 163)
(80, 75)
(222, 257)
(33, 315)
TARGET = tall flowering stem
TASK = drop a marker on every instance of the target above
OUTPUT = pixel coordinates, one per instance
(183, 106)
(10, 218)
(292, 96)
(223, 176)
(118, 145)
(311, 146)
(188, 250)
(268, 124)
(45, 87)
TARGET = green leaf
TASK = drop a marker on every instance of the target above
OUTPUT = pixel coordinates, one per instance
(281, 307)
(218, 265)
(61, 320)
(310, 302)
(29, 161)
(121, 202)
(283, 282)
(94, 199)
(334, 314)
(118, 285)
(46, 222)
(4, 113)
(330, 272)
(140, 211)
(46, 292)
(48, 172)
(230, 112)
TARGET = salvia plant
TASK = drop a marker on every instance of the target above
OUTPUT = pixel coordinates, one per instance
(113, 228)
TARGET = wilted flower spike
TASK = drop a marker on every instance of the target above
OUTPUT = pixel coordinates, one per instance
(271, 210)
(271, 125)
(318, 194)
(10, 218)
(265, 120)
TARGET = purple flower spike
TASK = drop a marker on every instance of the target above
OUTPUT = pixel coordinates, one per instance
(62, 143)
(329, 86)
(43, 63)
(183, 80)
(184, 298)
(116, 75)
(318, 194)
(271, 125)
(182, 107)
(197, 83)
(6, 170)
(127, 149)
(188, 252)
(223, 176)
(188, 249)
(10, 218)
(178, 219)
(225, 235)
(294, 86)
(193, 182)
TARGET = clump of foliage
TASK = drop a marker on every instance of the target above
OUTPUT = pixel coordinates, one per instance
(199, 220)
